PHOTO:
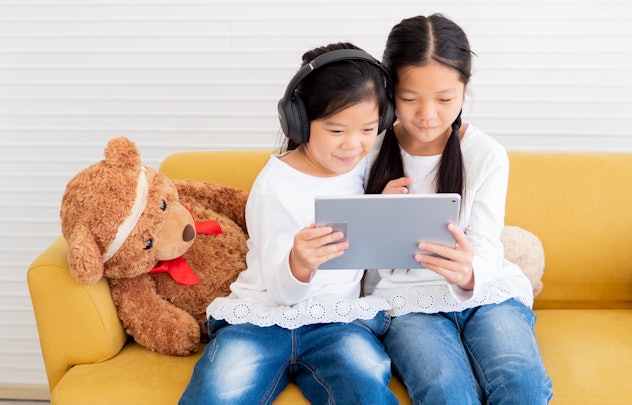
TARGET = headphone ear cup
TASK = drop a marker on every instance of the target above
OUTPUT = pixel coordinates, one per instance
(285, 113)
(302, 122)
(293, 118)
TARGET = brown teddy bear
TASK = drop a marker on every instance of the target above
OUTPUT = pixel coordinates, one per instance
(138, 228)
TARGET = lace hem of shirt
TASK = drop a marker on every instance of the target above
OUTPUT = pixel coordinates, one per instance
(320, 309)
(432, 299)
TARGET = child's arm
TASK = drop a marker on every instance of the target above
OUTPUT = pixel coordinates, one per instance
(273, 223)
(483, 225)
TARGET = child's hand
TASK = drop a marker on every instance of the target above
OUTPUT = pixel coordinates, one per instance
(312, 247)
(455, 264)
(397, 186)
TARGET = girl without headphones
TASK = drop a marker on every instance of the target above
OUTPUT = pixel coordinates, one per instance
(284, 320)
(462, 328)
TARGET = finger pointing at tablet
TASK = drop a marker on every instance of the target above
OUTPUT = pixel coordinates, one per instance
(398, 186)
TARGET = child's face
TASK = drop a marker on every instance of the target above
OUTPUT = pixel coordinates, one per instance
(427, 101)
(337, 143)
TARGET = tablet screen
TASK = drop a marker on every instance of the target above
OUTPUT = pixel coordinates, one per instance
(383, 230)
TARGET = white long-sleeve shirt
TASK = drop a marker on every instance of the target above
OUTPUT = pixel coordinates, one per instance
(482, 218)
(280, 204)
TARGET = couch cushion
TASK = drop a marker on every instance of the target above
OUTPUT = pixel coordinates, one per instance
(587, 353)
(578, 204)
(139, 376)
(135, 376)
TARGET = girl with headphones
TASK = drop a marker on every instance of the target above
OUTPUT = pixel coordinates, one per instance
(284, 319)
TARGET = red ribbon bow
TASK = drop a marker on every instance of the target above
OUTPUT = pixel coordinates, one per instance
(178, 268)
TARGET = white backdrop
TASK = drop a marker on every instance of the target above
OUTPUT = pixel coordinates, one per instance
(191, 75)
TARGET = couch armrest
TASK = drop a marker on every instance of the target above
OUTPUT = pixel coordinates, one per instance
(77, 324)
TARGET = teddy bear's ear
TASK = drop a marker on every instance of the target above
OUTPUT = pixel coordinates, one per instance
(84, 257)
(121, 152)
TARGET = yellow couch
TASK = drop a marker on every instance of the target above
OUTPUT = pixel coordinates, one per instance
(579, 204)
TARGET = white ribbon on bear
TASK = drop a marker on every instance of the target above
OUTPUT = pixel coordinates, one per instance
(140, 202)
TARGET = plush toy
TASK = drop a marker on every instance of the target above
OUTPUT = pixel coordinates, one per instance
(525, 249)
(166, 247)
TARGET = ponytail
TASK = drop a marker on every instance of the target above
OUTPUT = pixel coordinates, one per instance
(451, 174)
(387, 166)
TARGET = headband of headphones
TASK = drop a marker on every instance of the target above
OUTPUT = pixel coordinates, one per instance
(292, 114)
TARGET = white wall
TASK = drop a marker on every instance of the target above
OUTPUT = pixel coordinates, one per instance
(184, 75)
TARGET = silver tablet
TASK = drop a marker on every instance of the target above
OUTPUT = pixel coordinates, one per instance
(383, 230)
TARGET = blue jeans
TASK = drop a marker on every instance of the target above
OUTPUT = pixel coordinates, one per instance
(335, 363)
(486, 355)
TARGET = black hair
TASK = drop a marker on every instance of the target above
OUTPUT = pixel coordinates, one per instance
(416, 42)
(340, 85)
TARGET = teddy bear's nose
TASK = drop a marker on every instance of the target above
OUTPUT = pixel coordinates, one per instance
(188, 233)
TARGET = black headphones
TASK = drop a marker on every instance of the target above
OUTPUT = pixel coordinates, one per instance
(292, 112)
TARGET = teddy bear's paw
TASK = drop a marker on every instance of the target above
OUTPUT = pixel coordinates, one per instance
(177, 337)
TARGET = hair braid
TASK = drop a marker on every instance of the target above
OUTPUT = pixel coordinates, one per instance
(388, 165)
(452, 162)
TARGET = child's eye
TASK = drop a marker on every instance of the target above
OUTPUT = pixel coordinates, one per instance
(336, 131)
(369, 130)
(445, 100)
